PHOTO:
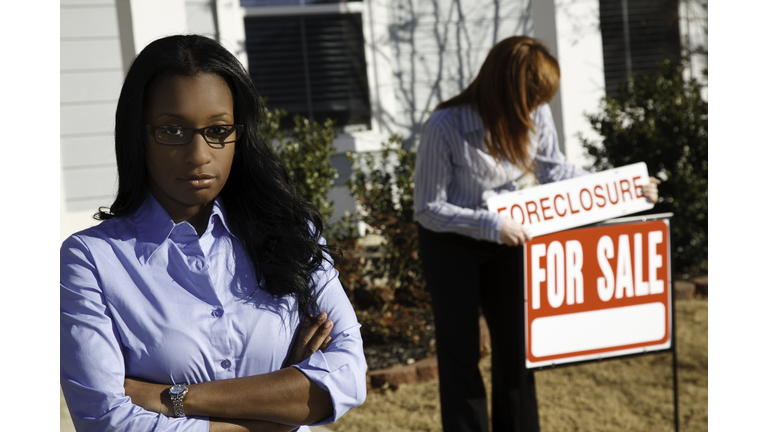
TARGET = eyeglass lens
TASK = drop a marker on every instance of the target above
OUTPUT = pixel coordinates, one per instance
(216, 135)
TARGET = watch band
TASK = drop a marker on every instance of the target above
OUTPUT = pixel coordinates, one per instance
(177, 392)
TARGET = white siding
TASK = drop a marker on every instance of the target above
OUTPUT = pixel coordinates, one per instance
(428, 94)
(200, 17)
(96, 23)
(86, 3)
(87, 151)
(432, 49)
(442, 11)
(87, 86)
(452, 36)
(87, 119)
(79, 185)
(86, 54)
(91, 73)
(694, 37)
(582, 82)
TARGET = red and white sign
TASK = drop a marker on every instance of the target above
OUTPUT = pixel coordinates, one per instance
(597, 292)
(576, 202)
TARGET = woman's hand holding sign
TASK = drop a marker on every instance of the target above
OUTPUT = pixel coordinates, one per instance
(512, 233)
(651, 191)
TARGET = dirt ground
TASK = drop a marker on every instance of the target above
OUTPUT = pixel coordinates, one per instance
(627, 395)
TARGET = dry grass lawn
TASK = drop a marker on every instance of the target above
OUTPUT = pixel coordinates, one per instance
(629, 394)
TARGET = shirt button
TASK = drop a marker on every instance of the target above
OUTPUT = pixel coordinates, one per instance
(226, 364)
(217, 313)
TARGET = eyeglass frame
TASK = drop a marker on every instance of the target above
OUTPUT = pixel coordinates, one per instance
(201, 131)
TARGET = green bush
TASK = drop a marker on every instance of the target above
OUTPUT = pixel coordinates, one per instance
(382, 184)
(661, 120)
(307, 151)
(385, 283)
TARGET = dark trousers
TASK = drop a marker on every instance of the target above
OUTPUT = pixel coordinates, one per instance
(464, 275)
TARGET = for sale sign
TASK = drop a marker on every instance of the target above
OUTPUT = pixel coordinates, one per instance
(576, 202)
(598, 292)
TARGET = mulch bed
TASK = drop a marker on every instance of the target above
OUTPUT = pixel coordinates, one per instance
(395, 353)
(400, 336)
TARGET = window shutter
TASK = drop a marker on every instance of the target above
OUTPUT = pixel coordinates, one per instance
(313, 65)
(654, 35)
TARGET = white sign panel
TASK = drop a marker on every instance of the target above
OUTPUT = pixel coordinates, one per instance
(576, 202)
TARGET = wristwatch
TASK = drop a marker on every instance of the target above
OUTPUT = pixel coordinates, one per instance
(177, 394)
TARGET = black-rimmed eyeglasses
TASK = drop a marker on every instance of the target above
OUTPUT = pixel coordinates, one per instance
(216, 136)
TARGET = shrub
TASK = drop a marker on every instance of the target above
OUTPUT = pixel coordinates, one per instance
(386, 284)
(661, 120)
(307, 151)
(383, 187)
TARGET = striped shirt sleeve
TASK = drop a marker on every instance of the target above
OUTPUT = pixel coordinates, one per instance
(433, 177)
(551, 165)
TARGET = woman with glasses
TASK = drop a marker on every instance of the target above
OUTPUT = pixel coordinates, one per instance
(472, 147)
(206, 299)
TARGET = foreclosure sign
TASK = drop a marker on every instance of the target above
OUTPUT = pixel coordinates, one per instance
(576, 202)
(597, 292)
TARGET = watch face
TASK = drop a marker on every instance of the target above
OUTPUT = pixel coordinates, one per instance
(177, 389)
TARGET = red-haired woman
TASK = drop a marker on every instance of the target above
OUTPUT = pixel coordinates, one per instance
(472, 147)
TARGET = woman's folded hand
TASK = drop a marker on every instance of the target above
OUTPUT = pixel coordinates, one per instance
(313, 335)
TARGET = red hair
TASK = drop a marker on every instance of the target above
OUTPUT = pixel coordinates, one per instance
(517, 77)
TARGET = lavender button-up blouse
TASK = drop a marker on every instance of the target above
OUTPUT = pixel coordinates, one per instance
(144, 297)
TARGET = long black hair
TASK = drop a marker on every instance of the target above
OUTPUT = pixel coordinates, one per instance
(279, 230)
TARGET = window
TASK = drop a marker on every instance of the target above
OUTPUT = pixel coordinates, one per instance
(637, 35)
(310, 64)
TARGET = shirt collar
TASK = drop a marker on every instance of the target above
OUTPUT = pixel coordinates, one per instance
(221, 213)
(154, 225)
(470, 119)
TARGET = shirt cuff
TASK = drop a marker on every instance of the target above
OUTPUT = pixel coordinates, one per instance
(346, 388)
(187, 424)
(491, 227)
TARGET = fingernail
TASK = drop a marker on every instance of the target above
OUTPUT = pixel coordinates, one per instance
(328, 324)
(327, 340)
(322, 316)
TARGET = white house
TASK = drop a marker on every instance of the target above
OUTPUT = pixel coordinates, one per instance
(378, 65)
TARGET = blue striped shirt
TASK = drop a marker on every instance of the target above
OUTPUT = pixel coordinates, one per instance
(455, 175)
